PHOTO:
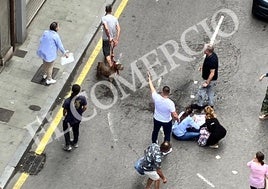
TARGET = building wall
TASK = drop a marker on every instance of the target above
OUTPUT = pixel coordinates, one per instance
(5, 40)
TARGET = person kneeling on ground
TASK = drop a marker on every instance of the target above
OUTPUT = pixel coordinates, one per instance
(186, 128)
(216, 130)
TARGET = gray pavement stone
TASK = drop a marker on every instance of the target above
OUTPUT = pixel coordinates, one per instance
(79, 20)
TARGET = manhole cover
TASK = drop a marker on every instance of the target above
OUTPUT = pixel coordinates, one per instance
(34, 107)
(32, 163)
(20, 53)
(5, 115)
(38, 77)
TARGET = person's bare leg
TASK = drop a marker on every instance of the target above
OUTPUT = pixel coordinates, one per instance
(149, 183)
(157, 184)
(108, 59)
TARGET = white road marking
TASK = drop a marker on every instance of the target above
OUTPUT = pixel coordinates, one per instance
(234, 172)
(205, 180)
(110, 123)
(216, 30)
(212, 40)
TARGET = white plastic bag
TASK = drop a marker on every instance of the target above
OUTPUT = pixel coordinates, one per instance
(68, 60)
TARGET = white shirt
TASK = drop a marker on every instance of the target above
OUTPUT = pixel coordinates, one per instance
(163, 108)
(111, 22)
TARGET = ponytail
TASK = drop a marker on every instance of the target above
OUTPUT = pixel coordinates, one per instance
(75, 90)
(188, 111)
(260, 157)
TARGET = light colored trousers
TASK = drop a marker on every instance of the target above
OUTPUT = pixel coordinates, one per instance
(48, 69)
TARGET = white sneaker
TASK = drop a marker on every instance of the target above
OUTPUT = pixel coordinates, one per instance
(50, 81)
(168, 152)
(67, 148)
(263, 116)
(44, 76)
(215, 146)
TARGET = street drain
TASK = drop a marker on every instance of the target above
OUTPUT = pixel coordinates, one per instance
(32, 163)
(5, 115)
(34, 107)
(20, 53)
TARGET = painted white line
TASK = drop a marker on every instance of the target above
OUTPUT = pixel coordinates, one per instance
(216, 31)
(212, 40)
(110, 123)
(205, 180)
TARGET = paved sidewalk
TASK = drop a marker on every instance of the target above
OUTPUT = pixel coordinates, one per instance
(78, 20)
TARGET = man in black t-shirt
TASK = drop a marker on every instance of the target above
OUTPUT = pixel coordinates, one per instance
(210, 75)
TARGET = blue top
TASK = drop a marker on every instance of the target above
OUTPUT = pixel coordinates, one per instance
(179, 129)
(74, 109)
(50, 43)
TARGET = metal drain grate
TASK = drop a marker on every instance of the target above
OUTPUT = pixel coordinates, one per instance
(20, 53)
(38, 78)
(5, 115)
(32, 163)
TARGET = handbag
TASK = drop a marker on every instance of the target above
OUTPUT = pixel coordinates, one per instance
(204, 135)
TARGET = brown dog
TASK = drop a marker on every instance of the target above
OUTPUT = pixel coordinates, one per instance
(107, 71)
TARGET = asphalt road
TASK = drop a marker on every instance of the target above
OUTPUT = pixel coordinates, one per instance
(115, 138)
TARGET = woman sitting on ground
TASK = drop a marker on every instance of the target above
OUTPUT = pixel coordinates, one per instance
(216, 130)
(186, 128)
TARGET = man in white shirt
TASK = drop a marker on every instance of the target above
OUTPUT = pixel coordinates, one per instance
(111, 33)
(163, 113)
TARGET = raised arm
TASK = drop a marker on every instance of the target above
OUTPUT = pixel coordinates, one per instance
(150, 82)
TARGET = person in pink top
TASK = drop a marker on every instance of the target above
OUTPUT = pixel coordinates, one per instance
(258, 171)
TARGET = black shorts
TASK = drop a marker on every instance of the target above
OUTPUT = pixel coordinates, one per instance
(106, 48)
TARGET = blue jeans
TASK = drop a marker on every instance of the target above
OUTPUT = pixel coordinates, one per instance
(188, 136)
(205, 95)
(166, 127)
